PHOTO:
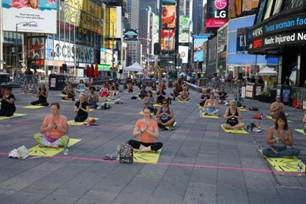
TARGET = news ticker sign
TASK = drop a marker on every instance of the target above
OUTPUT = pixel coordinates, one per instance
(216, 13)
(277, 26)
(277, 40)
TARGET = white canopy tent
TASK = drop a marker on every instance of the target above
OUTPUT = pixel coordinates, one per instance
(136, 67)
(267, 71)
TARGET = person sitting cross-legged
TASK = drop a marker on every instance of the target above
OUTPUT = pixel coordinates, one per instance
(147, 133)
(210, 106)
(280, 139)
(54, 129)
(165, 116)
(93, 98)
(232, 116)
(184, 95)
(42, 96)
(276, 108)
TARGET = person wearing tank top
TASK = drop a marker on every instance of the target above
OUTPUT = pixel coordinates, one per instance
(232, 116)
(280, 139)
(165, 116)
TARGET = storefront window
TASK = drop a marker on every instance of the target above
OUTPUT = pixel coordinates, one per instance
(268, 9)
(277, 6)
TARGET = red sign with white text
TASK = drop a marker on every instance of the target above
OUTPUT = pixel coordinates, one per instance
(215, 22)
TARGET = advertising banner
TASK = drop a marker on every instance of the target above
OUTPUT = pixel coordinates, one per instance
(106, 57)
(65, 51)
(36, 16)
(113, 24)
(216, 16)
(244, 37)
(36, 50)
(167, 40)
(249, 5)
(183, 51)
(198, 47)
(168, 16)
(155, 29)
(184, 29)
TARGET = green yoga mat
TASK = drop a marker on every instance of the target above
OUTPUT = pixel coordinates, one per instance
(39, 151)
(237, 132)
(14, 116)
(33, 107)
(300, 131)
(146, 157)
(286, 164)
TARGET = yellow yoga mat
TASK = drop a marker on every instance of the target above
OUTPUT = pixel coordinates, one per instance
(182, 101)
(14, 116)
(300, 131)
(270, 118)
(157, 105)
(243, 109)
(209, 116)
(73, 123)
(146, 157)
(237, 132)
(38, 151)
(286, 164)
(33, 107)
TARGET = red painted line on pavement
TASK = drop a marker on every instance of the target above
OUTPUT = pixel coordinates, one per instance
(175, 164)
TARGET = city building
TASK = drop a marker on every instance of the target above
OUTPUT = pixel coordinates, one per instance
(132, 8)
(197, 16)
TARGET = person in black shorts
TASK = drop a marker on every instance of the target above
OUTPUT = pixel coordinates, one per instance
(8, 107)
(81, 108)
(42, 96)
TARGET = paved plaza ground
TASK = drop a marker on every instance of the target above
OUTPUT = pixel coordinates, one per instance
(199, 162)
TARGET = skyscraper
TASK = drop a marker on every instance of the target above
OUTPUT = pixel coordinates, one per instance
(133, 13)
(197, 18)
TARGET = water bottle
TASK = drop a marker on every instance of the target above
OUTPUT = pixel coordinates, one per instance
(299, 167)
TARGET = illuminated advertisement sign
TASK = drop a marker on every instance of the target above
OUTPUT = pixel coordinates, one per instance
(167, 40)
(183, 51)
(184, 29)
(168, 16)
(217, 13)
(37, 16)
(198, 47)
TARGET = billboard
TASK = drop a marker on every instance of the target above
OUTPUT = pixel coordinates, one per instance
(113, 23)
(184, 29)
(155, 36)
(216, 15)
(167, 41)
(106, 56)
(37, 16)
(199, 47)
(244, 37)
(168, 16)
(183, 51)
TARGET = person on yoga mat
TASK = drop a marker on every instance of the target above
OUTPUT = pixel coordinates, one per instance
(54, 129)
(184, 95)
(82, 109)
(280, 139)
(149, 101)
(93, 98)
(205, 95)
(232, 116)
(210, 106)
(8, 107)
(69, 91)
(165, 116)
(42, 96)
(276, 108)
(146, 131)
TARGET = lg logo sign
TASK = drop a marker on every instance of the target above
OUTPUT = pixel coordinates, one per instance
(220, 5)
